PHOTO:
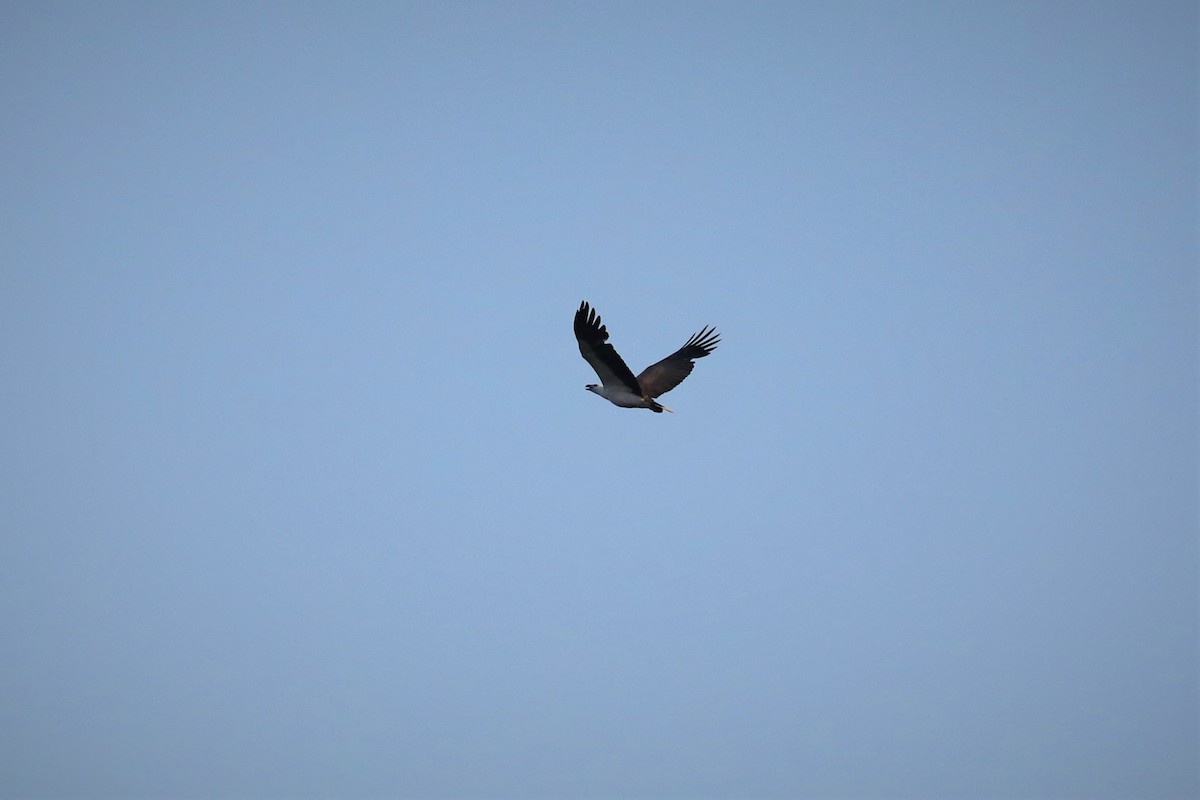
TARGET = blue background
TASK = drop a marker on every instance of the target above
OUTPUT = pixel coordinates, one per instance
(302, 494)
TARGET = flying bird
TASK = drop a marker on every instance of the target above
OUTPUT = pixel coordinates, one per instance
(617, 383)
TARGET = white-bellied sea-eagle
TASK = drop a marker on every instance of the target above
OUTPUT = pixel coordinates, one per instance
(617, 383)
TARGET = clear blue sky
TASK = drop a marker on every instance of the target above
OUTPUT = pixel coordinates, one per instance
(302, 495)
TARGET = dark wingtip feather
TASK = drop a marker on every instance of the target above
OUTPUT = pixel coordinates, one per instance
(704, 342)
(588, 326)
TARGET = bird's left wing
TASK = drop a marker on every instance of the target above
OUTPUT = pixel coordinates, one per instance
(594, 347)
(658, 379)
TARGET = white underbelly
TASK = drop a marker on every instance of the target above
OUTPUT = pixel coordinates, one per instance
(623, 398)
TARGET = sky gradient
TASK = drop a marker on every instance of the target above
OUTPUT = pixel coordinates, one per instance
(302, 495)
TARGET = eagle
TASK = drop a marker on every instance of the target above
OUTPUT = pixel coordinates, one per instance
(617, 383)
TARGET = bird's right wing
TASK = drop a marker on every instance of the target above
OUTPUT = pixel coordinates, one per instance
(658, 379)
(594, 347)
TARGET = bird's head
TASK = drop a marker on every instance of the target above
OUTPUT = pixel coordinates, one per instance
(591, 387)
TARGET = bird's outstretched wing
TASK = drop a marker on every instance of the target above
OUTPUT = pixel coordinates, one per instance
(594, 347)
(658, 379)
